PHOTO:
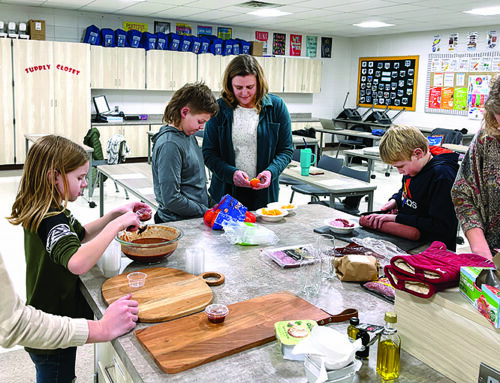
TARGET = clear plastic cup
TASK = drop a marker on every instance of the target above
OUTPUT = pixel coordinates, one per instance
(216, 313)
(136, 279)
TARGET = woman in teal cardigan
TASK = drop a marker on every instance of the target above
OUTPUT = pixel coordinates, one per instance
(250, 137)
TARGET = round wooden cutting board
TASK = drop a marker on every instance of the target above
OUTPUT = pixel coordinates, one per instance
(167, 294)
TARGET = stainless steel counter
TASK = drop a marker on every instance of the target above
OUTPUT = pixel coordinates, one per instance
(250, 274)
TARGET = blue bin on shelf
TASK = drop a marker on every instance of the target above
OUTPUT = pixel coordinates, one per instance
(244, 47)
(205, 44)
(120, 38)
(107, 37)
(148, 41)
(227, 47)
(195, 44)
(161, 41)
(174, 41)
(134, 38)
(91, 35)
(215, 46)
(186, 42)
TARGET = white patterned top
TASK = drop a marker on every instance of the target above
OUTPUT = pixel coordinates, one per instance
(244, 135)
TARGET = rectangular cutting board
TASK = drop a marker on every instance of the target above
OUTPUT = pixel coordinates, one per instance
(191, 341)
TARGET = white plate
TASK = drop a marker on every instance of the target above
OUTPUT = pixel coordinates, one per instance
(278, 205)
(271, 218)
(341, 230)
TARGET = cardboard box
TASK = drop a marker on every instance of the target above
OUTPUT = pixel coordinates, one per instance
(485, 299)
(256, 48)
(36, 29)
(447, 333)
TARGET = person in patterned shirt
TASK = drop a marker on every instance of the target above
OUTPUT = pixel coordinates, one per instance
(476, 191)
(57, 247)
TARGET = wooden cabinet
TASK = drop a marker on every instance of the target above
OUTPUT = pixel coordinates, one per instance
(136, 136)
(209, 71)
(7, 154)
(274, 68)
(302, 75)
(51, 90)
(117, 68)
(169, 70)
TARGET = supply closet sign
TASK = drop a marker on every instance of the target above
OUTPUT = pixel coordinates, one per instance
(388, 81)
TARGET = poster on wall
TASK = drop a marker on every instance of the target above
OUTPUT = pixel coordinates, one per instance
(472, 41)
(311, 46)
(438, 79)
(224, 33)
(162, 27)
(204, 30)
(279, 43)
(460, 99)
(435, 98)
(295, 45)
(388, 81)
(449, 79)
(453, 41)
(495, 64)
(491, 39)
(141, 27)
(477, 92)
(183, 29)
(447, 98)
(326, 47)
(436, 43)
(264, 37)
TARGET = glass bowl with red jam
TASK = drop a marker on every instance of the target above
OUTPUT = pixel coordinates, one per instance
(216, 313)
(155, 243)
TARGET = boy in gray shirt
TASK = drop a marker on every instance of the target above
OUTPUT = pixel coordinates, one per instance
(177, 162)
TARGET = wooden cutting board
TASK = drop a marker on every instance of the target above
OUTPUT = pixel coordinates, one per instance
(191, 341)
(167, 294)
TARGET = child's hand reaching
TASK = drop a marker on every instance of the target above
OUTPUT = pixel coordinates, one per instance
(129, 221)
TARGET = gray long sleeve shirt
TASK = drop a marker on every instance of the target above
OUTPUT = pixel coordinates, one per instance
(178, 175)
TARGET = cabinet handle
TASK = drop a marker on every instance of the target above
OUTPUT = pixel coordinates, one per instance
(106, 375)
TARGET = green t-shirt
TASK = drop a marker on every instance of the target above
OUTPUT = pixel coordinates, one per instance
(50, 286)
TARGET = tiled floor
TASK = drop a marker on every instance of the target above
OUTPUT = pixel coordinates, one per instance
(11, 237)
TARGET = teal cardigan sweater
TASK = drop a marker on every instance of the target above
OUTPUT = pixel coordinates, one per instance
(274, 151)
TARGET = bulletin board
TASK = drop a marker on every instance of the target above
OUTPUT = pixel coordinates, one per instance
(458, 83)
(388, 81)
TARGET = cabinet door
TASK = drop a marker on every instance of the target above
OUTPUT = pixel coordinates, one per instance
(274, 68)
(103, 67)
(209, 71)
(312, 76)
(71, 90)
(184, 68)
(159, 71)
(294, 68)
(131, 68)
(6, 106)
(137, 139)
(33, 91)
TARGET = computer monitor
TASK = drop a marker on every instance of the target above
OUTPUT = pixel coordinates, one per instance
(101, 105)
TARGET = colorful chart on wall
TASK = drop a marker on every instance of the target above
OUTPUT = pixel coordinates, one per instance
(458, 83)
(388, 81)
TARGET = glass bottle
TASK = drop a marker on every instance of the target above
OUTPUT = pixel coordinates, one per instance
(352, 331)
(389, 347)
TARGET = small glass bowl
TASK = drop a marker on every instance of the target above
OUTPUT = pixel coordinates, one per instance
(136, 279)
(216, 313)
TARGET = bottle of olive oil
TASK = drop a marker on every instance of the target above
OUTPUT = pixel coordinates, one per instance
(389, 347)
(352, 331)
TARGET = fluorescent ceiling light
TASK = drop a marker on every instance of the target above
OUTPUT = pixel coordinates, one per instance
(373, 24)
(487, 11)
(268, 12)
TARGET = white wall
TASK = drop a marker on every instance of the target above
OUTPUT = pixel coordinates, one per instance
(339, 72)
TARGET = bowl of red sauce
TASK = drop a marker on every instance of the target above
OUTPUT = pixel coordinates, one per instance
(155, 243)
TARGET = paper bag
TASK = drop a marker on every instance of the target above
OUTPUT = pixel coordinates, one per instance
(356, 268)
